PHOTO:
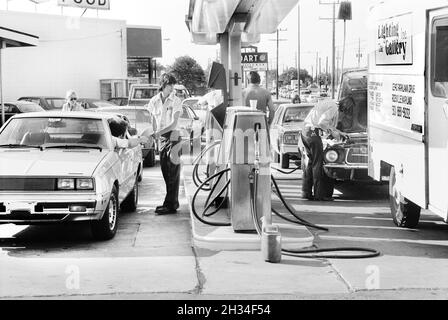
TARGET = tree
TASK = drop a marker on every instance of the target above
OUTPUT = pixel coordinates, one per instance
(291, 74)
(189, 73)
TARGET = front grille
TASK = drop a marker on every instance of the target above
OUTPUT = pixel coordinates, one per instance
(27, 184)
(357, 155)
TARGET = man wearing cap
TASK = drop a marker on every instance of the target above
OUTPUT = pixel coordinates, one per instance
(167, 108)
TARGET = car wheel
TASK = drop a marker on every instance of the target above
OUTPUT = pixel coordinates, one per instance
(405, 213)
(284, 160)
(150, 160)
(131, 202)
(106, 228)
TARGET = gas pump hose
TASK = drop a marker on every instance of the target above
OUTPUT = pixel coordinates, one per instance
(286, 172)
(307, 254)
(218, 175)
(197, 162)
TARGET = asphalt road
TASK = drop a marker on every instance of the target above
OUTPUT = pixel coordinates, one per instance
(153, 257)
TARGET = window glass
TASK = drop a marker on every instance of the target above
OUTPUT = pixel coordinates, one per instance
(439, 81)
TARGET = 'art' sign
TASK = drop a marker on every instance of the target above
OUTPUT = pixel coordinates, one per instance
(257, 61)
(394, 41)
(88, 4)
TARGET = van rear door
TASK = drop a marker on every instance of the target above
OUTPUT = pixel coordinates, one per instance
(437, 112)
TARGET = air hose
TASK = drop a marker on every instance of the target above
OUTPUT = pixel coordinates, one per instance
(197, 162)
(286, 172)
(218, 176)
(308, 254)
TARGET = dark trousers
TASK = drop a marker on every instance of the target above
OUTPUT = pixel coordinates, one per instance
(314, 176)
(170, 164)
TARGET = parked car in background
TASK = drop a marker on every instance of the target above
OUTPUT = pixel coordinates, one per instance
(19, 107)
(121, 101)
(141, 94)
(139, 119)
(66, 169)
(47, 103)
(88, 104)
(285, 132)
(198, 105)
(191, 128)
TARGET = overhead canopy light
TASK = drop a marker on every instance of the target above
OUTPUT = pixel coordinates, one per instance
(268, 15)
(212, 16)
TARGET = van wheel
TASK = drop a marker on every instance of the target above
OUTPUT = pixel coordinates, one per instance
(405, 213)
(284, 160)
(131, 202)
(106, 228)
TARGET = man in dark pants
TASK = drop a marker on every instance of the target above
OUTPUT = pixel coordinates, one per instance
(167, 108)
(322, 119)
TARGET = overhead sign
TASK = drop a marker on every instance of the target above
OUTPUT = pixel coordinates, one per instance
(88, 4)
(394, 41)
(256, 61)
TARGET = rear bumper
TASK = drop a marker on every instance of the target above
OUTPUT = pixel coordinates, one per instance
(34, 208)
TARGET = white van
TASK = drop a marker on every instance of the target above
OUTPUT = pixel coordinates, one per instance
(408, 105)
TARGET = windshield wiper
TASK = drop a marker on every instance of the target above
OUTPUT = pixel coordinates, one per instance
(19, 146)
(72, 146)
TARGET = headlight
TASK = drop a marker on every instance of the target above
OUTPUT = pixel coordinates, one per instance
(84, 184)
(66, 184)
(332, 156)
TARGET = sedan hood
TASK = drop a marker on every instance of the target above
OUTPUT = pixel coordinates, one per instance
(49, 163)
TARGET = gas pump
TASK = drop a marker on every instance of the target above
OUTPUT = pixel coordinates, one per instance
(245, 148)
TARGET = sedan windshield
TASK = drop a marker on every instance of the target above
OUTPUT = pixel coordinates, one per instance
(296, 114)
(30, 107)
(49, 132)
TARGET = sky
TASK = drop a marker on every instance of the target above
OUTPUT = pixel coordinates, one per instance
(316, 33)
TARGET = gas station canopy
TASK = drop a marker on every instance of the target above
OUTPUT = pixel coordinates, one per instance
(207, 19)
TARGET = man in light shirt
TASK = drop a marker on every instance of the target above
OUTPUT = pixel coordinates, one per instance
(323, 118)
(167, 108)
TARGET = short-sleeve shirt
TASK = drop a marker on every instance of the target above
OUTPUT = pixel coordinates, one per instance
(324, 116)
(255, 92)
(164, 112)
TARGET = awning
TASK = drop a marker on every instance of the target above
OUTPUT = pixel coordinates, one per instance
(206, 19)
(10, 38)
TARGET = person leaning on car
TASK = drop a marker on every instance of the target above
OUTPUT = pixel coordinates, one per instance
(323, 118)
(167, 108)
(71, 103)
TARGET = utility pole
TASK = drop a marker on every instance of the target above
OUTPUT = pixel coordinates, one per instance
(298, 49)
(337, 69)
(333, 74)
(326, 76)
(359, 54)
(277, 40)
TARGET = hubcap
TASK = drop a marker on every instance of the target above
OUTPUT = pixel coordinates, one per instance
(112, 213)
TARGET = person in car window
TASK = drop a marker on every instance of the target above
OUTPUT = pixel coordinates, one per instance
(167, 108)
(118, 129)
(72, 103)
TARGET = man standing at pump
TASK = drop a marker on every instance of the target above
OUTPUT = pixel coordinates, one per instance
(256, 93)
(167, 108)
(323, 118)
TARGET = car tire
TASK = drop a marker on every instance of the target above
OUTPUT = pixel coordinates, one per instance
(131, 201)
(284, 161)
(150, 160)
(405, 213)
(106, 228)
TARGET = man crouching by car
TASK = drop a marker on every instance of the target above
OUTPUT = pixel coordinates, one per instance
(322, 119)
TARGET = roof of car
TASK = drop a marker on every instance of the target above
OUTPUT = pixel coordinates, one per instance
(40, 97)
(60, 114)
(302, 105)
(118, 108)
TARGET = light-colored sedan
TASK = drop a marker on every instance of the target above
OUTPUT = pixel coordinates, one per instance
(64, 167)
(285, 131)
